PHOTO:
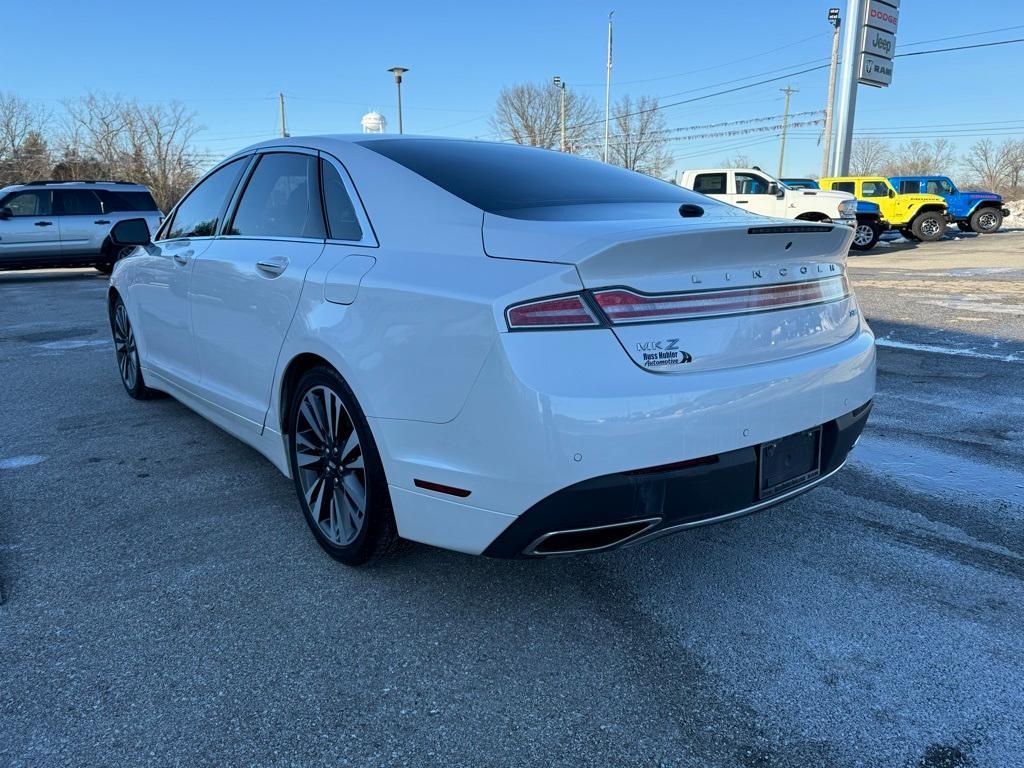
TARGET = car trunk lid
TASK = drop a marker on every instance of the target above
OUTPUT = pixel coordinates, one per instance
(720, 291)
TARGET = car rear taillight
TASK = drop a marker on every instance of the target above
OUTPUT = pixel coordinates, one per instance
(622, 305)
(558, 312)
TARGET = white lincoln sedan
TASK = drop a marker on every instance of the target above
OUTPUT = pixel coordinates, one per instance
(493, 348)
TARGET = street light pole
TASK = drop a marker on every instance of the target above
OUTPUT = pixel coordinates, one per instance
(608, 87)
(826, 152)
(398, 72)
(560, 84)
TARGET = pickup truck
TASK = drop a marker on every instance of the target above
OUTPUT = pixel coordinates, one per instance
(980, 212)
(870, 224)
(916, 216)
(756, 191)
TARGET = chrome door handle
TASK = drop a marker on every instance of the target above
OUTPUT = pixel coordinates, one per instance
(101, 221)
(742, 201)
(274, 266)
(44, 223)
(182, 258)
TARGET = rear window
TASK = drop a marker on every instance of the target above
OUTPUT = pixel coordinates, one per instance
(844, 186)
(114, 201)
(501, 178)
(910, 187)
(709, 183)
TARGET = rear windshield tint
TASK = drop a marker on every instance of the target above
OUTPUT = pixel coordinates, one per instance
(126, 201)
(507, 177)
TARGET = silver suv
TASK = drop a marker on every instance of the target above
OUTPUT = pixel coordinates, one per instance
(67, 223)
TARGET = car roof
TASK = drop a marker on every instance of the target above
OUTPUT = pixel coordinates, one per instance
(119, 186)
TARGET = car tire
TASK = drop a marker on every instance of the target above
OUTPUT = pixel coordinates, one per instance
(111, 255)
(985, 221)
(928, 226)
(337, 471)
(964, 226)
(127, 352)
(865, 235)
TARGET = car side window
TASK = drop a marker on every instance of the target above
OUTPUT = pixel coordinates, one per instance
(78, 202)
(199, 213)
(35, 202)
(114, 202)
(875, 189)
(342, 221)
(749, 184)
(281, 199)
(911, 187)
(709, 183)
(844, 186)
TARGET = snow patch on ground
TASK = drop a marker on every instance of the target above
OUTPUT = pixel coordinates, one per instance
(74, 343)
(17, 462)
(937, 349)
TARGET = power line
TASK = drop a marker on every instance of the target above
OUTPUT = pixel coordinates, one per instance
(783, 77)
(958, 37)
(962, 47)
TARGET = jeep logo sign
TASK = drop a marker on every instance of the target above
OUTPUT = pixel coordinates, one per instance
(878, 43)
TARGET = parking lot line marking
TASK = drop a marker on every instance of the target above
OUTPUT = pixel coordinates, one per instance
(893, 343)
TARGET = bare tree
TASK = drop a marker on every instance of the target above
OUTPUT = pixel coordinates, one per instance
(639, 140)
(117, 138)
(921, 158)
(530, 114)
(996, 168)
(24, 154)
(738, 160)
(869, 156)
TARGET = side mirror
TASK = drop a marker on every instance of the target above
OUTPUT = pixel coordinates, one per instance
(774, 188)
(892, 193)
(6, 213)
(130, 232)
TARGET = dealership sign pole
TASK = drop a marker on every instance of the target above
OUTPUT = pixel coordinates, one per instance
(869, 45)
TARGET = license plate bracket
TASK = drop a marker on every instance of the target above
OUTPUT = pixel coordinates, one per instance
(788, 462)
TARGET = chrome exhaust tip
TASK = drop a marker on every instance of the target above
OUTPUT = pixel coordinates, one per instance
(577, 541)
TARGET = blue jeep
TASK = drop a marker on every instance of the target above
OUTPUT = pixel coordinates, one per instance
(980, 212)
(870, 224)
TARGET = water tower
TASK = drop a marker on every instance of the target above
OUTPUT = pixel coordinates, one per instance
(374, 122)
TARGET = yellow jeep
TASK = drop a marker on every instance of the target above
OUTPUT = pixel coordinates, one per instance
(916, 216)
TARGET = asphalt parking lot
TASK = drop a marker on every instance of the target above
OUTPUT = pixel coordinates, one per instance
(166, 605)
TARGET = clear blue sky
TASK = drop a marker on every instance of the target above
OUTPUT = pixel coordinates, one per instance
(227, 61)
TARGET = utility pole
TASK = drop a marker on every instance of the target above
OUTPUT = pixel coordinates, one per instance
(847, 102)
(398, 72)
(608, 87)
(284, 131)
(826, 153)
(785, 125)
(560, 84)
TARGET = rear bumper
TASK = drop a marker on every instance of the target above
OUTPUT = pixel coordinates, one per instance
(629, 507)
(552, 411)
